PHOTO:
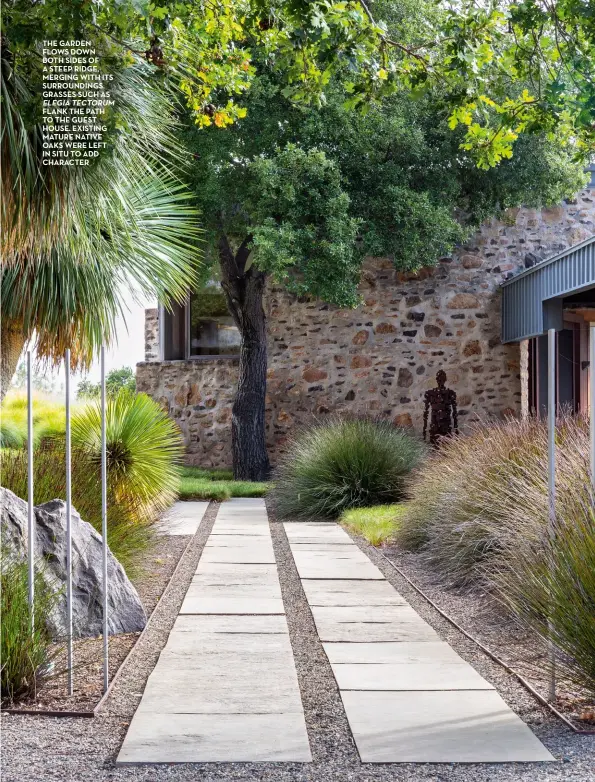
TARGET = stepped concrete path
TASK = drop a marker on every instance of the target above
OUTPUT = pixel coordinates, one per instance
(225, 687)
(408, 696)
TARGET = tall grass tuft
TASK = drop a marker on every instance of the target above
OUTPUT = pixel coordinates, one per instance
(343, 464)
(49, 420)
(479, 514)
(487, 491)
(26, 652)
(144, 449)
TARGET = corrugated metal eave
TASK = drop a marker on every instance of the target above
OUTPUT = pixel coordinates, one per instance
(523, 295)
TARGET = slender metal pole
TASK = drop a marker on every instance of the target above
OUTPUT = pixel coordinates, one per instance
(68, 525)
(592, 399)
(104, 525)
(551, 425)
(30, 498)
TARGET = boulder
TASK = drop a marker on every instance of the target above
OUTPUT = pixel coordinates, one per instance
(126, 612)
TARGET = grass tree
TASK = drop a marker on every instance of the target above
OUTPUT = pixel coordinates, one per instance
(129, 223)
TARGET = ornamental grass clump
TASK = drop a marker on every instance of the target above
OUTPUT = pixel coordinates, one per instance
(485, 492)
(26, 648)
(343, 464)
(479, 515)
(143, 450)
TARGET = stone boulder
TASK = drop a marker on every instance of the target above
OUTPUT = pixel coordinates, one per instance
(126, 612)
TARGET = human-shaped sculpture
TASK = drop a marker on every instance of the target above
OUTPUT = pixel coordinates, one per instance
(442, 402)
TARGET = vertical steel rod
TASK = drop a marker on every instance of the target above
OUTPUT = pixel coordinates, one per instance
(30, 527)
(592, 399)
(104, 524)
(551, 425)
(68, 524)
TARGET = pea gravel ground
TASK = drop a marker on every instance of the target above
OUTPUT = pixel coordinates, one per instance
(40, 749)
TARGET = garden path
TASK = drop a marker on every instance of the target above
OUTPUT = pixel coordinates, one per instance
(183, 518)
(225, 687)
(408, 696)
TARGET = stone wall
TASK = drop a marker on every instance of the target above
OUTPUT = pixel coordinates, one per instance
(380, 358)
(152, 334)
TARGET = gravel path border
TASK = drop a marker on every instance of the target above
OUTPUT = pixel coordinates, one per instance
(84, 751)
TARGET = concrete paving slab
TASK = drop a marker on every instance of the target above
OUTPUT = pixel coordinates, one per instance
(230, 574)
(232, 605)
(200, 588)
(238, 554)
(305, 532)
(337, 592)
(393, 653)
(182, 650)
(236, 625)
(199, 738)
(183, 518)
(408, 676)
(322, 565)
(356, 624)
(248, 688)
(439, 727)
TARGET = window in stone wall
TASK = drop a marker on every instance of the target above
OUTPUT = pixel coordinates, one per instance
(211, 330)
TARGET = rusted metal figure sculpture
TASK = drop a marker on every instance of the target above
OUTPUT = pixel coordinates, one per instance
(442, 402)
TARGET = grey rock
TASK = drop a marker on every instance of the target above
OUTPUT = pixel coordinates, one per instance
(126, 612)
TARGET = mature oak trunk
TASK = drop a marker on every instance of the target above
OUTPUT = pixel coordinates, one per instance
(244, 286)
(12, 341)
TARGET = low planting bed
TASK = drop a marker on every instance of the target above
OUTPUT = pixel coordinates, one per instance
(52, 694)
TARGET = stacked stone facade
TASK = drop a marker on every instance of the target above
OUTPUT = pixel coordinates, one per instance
(380, 358)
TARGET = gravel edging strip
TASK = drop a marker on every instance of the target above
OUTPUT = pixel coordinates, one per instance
(329, 733)
(490, 654)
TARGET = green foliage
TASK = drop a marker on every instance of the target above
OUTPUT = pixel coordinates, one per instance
(49, 420)
(479, 515)
(130, 529)
(553, 590)
(115, 380)
(26, 648)
(376, 524)
(343, 464)
(198, 484)
(313, 191)
(303, 234)
(143, 450)
(143, 446)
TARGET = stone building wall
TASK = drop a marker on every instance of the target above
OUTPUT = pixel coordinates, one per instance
(380, 358)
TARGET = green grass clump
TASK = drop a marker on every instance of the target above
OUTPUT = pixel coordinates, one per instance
(344, 464)
(26, 651)
(479, 515)
(198, 484)
(49, 420)
(377, 524)
(143, 449)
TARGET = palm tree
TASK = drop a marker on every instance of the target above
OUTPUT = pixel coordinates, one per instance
(127, 221)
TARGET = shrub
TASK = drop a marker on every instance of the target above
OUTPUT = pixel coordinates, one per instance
(49, 420)
(479, 515)
(144, 448)
(343, 464)
(377, 524)
(130, 531)
(26, 653)
(485, 492)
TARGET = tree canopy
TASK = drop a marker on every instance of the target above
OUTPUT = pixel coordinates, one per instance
(311, 191)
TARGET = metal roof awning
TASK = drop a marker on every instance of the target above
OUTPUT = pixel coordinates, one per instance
(533, 301)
